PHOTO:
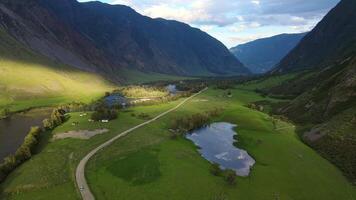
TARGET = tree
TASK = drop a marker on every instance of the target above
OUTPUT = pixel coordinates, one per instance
(48, 124)
(9, 164)
(5, 112)
(57, 117)
(23, 153)
(230, 177)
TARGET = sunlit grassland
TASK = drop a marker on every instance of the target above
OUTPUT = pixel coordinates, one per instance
(137, 77)
(31, 80)
(29, 85)
(173, 169)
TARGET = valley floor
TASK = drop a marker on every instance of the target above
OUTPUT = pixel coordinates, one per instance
(148, 164)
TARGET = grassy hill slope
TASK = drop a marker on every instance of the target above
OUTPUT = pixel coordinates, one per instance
(29, 80)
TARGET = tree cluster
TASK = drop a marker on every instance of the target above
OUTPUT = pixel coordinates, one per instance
(189, 123)
(229, 175)
(57, 118)
(103, 112)
(23, 153)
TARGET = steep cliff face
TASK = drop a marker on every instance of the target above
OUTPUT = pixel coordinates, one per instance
(332, 41)
(39, 30)
(103, 38)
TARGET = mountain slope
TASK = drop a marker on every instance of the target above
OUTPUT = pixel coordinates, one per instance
(325, 103)
(332, 41)
(105, 39)
(29, 80)
(262, 55)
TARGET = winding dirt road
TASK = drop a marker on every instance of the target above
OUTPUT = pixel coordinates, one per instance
(80, 171)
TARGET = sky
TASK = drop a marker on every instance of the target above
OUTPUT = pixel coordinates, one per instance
(235, 22)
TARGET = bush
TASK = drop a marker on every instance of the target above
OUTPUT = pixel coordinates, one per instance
(28, 147)
(143, 91)
(189, 123)
(230, 177)
(48, 124)
(57, 117)
(143, 116)
(215, 170)
(5, 112)
(102, 112)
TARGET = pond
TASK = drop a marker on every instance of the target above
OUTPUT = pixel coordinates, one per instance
(116, 99)
(216, 144)
(14, 129)
(172, 89)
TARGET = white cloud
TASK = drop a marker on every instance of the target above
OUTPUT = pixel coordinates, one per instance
(223, 18)
(256, 2)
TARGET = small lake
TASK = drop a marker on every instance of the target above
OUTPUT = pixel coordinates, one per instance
(216, 145)
(172, 89)
(116, 99)
(14, 129)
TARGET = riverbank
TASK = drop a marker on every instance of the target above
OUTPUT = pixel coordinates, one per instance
(14, 128)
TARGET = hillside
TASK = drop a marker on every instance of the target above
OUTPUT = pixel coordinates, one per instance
(262, 55)
(107, 39)
(325, 103)
(332, 41)
(30, 80)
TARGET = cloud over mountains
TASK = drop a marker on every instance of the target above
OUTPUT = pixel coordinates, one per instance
(239, 20)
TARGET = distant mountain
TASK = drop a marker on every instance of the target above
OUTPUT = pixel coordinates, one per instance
(332, 41)
(262, 55)
(104, 38)
(325, 105)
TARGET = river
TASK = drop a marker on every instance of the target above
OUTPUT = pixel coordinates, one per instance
(14, 129)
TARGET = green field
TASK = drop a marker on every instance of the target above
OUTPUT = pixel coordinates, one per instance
(137, 77)
(148, 164)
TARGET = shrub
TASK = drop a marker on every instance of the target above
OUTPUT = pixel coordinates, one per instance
(143, 91)
(189, 123)
(28, 147)
(57, 117)
(102, 112)
(230, 177)
(48, 124)
(215, 170)
(143, 116)
(5, 112)
(9, 164)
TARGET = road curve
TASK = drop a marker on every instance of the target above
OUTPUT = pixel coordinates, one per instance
(80, 171)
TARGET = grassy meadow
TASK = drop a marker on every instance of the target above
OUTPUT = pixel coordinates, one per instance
(148, 164)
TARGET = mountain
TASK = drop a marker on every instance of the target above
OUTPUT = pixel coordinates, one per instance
(262, 55)
(325, 87)
(332, 41)
(106, 39)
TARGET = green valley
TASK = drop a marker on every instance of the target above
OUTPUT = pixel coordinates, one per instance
(149, 164)
(140, 101)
